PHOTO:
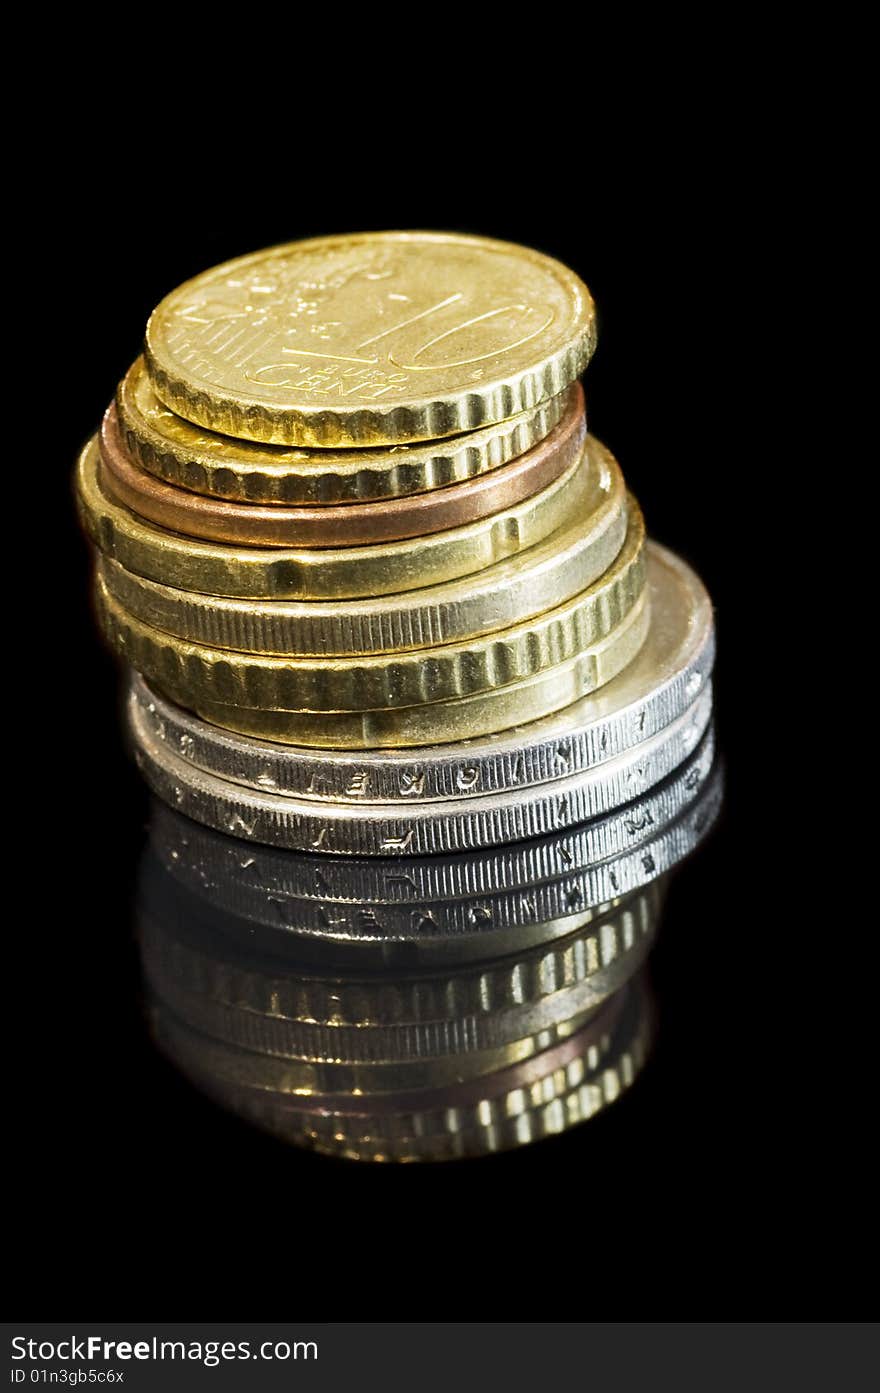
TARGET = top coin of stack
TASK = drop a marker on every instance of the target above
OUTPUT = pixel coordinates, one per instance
(347, 501)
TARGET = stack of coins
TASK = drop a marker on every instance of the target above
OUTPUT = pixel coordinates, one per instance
(384, 596)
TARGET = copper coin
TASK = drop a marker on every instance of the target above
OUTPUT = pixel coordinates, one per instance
(345, 524)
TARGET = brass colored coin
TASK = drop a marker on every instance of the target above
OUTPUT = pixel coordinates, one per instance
(671, 671)
(245, 471)
(574, 1093)
(200, 674)
(372, 339)
(544, 1095)
(525, 1118)
(393, 1020)
(509, 593)
(334, 573)
(306, 1076)
(203, 960)
(234, 1068)
(353, 524)
(432, 723)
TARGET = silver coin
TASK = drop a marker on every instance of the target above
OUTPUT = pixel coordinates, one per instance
(422, 828)
(169, 900)
(671, 669)
(210, 861)
(655, 842)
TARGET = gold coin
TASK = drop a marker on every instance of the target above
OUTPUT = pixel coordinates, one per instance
(508, 593)
(432, 723)
(372, 339)
(201, 674)
(242, 471)
(456, 1127)
(216, 997)
(559, 1086)
(336, 572)
(256, 1069)
(192, 960)
(347, 524)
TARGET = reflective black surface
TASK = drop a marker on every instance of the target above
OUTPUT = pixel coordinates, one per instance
(477, 1003)
(722, 1184)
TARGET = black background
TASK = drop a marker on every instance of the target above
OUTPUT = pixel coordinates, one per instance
(697, 1193)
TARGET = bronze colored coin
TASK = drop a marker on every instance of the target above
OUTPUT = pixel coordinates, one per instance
(511, 591)
(351, 524)
(376, 338)
(246, 471)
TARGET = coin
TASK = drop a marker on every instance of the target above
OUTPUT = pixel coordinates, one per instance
(576, 1092)
(540, 1097)
(382, 1083)
(197, 988)
(596, 862)
(667, 675)
(421, 829)
(194, 673)
(243, 471)
(373, 339)
(428, 723)
(206, 907)
(339, 572)
(271, 884)
(333, 1076)
(508, 593)
(495, 916)
(349, 525)
(440, 1011)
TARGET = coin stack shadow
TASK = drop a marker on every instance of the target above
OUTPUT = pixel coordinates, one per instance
(450, 685)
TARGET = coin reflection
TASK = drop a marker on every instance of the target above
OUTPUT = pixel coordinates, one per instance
(460, 1036)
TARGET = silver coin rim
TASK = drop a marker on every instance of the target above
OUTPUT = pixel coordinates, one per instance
(243, 880)
(422, 828)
